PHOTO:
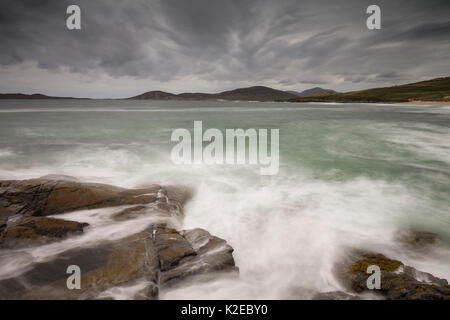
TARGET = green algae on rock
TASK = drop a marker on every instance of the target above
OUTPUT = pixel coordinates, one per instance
(398, 281)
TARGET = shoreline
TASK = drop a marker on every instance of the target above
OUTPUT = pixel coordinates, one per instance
(414, 102)
(157, 254)
(433, 103)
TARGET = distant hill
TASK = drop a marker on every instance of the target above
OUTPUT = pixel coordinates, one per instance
(312, 91)
(196, 96)
(156, 95)
(28, 96)
(257, 93)
(431, 90)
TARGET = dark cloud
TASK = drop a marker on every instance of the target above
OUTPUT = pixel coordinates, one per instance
(225, 42)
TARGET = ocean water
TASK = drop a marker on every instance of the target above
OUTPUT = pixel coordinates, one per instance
(351, 176)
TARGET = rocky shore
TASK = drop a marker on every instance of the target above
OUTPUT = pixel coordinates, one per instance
(156, 258)
(398, 281)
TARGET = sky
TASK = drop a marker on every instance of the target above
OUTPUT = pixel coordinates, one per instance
(125, 48)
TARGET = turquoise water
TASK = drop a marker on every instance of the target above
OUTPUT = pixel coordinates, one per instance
(351, 175)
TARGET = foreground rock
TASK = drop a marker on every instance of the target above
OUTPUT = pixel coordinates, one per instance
(417, 240)
(398, 281)
(158, 257)
(154, 259)
(37, 230)
(212, 254)
(24, 203)
(335, 295)
(44, 197)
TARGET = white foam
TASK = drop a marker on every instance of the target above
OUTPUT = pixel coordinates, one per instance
(288, 231)
(6, 152)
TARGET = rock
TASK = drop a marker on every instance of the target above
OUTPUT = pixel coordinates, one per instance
(37, 230)
(7, 209)
(150, 260)
(212, 255)
(4, 215)
(335, 295)
(172, 247)
(405, 287)
(41, 197)
(398, 281)
(178, 193)
(423, 276)
(417, 239)
(129, 213)
(59, 177)
(14, 220)
(105, 265)
(156, 255)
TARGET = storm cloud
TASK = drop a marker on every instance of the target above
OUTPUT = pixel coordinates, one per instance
(126, 47)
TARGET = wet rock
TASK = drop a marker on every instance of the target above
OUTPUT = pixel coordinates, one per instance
(172, 247)
(178, 194)
(129, 213)
(423, 276)
(14, 220)
(417, 240)
(157, 255)
(7, 210)
(150, 291)
(3, 223)
(335, 295)
(140, 289)
(212, 255)
(26, 231)
(105, 265)
(398, 281)
(42, 197)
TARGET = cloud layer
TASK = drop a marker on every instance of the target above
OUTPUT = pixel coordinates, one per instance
(211, 45)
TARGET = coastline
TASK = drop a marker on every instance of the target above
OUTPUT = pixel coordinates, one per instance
(420, 102)
(414, 102)
(154, 256)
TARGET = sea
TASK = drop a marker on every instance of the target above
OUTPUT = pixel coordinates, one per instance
(351, 176)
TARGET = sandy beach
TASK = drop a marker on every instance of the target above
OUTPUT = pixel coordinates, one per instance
(434, 103)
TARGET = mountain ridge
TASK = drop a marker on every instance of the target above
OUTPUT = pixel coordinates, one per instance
(437, 89)
(34, 96)
(256, 93)
(312, 91)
